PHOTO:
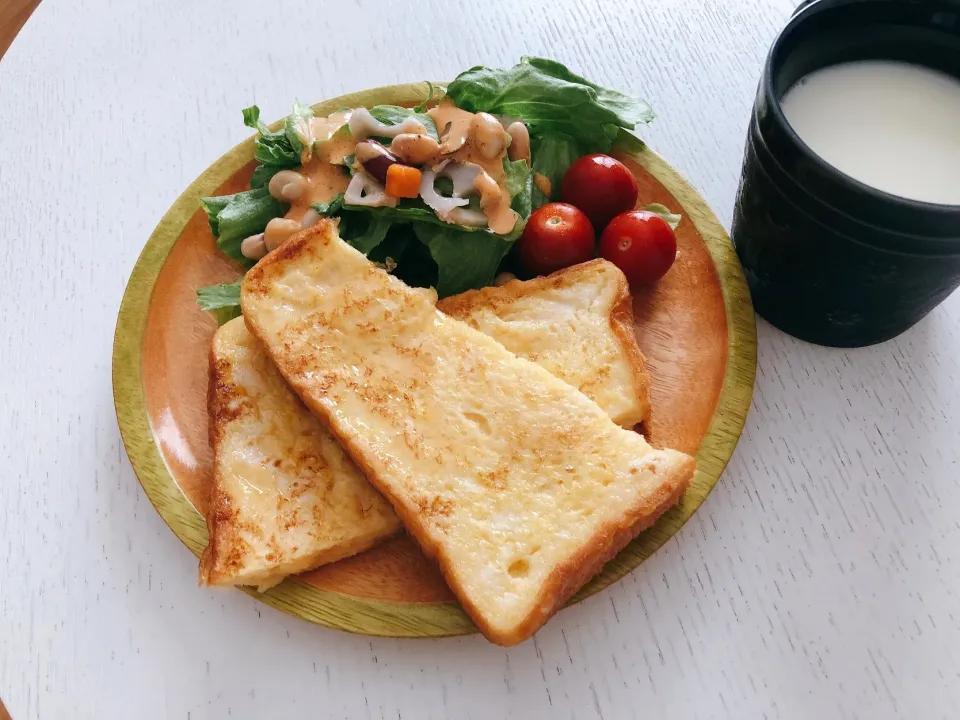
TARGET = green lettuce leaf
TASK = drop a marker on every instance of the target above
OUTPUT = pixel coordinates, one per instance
(235, 217)
(223, 295)
(296, 129)
(226, 314)
(519, 181)
(394, 115)
(411, 211)
(552, 156)
(213, 207)
(361, 228)
(394, 245)
(273, 148)
(432, 92)
(409, 257)
(262, 175)
(251, 118)
(414, 211)
(222, 300)
(415, 266)
(551, 100)
(329, 208)
(465, 260)
(663, 211)
(630, 111)
(364, 231)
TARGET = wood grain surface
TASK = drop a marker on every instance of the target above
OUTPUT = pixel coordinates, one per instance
(819, 580)
(13, 14)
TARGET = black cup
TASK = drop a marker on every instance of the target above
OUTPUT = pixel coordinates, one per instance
(829, 259)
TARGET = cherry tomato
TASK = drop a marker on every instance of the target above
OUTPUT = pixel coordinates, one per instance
(600, 186)
(641, 244)
(557, 235)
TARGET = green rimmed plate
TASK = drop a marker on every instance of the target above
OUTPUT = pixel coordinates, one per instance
(696, 328)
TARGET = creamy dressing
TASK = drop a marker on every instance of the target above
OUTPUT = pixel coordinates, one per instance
(453, 125)
(466, 151)
(313, 130)
(457, 142)
(495, 203)
(500, 217)
(890, 125)
(543, 183)
(324, 182)
(322, 129)
(324, 173)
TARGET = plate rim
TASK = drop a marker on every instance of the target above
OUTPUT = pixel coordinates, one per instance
(395, 618)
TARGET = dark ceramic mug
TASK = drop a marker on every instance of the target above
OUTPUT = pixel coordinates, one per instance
(829, 259)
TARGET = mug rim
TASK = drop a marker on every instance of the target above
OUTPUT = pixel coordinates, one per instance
(774, 60)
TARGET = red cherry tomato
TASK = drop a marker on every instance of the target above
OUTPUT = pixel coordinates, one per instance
(557, 235)
(641, 244)
(600, 186)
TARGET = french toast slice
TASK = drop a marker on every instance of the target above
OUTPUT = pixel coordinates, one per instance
(536, 317)
(577, 323)
(518, 484)
(285, 498)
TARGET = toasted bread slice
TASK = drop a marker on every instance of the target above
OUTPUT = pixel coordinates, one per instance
(542, 320)
(578, 324)
(519, 485)
(285, 498)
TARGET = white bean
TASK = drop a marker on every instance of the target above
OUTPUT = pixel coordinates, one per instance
(287, 185)
(310, 218)
(279, 231)
(253, 247)
(489, 135)
(519, 142)
(415, 149)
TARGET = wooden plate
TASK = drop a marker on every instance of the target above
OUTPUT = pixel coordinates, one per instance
(696, 328)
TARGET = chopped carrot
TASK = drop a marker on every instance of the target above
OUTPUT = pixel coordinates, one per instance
(403, 181)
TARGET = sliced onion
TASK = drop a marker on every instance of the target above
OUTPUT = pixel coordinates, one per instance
(463, 176)
(364, 125)
(365, 190)
(519, 148)
(452, 209)
(441, 205)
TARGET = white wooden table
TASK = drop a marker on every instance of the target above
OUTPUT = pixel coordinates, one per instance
(819, 580)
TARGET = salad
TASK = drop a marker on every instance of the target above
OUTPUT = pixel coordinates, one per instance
(441, 193)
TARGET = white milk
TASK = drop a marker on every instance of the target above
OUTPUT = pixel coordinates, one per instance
(890, 125)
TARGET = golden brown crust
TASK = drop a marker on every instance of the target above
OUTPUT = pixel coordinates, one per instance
(218, 505)
(622, 324)
(609, 540)
(621, 315)
(674, 469)
(223, 557)
(566, 579)
(255, 279)
(234, 536)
